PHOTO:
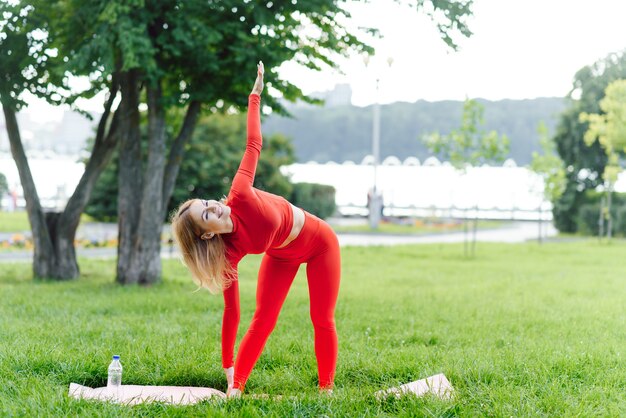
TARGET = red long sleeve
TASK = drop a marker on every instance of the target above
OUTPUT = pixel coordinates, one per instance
(242, 183)
(230, 323)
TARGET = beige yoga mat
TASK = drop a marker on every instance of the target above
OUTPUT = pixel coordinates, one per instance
(134, 394)
(437, 385)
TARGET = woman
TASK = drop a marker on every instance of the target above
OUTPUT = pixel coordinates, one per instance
(214, 236)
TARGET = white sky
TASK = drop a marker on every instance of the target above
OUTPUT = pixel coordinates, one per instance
(520, 49)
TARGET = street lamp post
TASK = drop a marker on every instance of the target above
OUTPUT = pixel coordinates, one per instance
(376, 198)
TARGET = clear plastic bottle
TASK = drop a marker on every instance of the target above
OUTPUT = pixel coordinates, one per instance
(114, 380)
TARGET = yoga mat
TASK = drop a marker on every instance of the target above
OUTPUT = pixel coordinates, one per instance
(437, 385)
(134, 394)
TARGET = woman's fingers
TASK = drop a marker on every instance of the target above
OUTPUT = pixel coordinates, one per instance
(261, 68)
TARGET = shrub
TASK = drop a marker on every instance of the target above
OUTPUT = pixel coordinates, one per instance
(587, 219)
(318, 199)
(620, 221)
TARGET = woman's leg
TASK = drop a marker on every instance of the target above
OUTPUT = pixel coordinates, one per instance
(323, 275)
(275, 278)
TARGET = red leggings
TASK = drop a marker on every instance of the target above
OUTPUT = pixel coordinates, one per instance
(317, 246)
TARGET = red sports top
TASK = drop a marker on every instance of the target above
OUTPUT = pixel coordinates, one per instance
(261, 221)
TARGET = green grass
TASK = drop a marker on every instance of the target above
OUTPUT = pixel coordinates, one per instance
(14, 221)
(522, 330)
(417, 228)
(18, 221)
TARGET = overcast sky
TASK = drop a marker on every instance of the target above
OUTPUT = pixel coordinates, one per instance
(519, 49)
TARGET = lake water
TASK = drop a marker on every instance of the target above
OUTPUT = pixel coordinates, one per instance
(507, 192)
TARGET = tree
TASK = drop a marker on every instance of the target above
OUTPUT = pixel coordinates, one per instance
(584, 164)
(4, 187)
(549, 167)
(208, 166)
(30, 62)
(609, 130)
(470, 145)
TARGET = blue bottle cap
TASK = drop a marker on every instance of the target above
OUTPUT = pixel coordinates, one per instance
(116, 357)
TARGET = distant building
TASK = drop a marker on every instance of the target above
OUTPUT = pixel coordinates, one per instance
(65, 137)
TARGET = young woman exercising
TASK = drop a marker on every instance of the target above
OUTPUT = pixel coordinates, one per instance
(214, 236)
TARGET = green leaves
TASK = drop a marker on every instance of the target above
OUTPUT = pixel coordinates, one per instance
(470, 144)
(549, 166)
(609, 128)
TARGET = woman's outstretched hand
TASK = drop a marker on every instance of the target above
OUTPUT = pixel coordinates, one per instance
(258, 83)
(230, 376)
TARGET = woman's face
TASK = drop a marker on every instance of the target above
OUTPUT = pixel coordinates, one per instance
(211, 216)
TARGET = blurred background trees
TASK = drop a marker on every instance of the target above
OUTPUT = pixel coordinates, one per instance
(584, 164)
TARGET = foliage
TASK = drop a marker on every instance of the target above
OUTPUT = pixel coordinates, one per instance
(588, 219)
(620, 221)
(592, 203)
(585, 164)
(211, 160)
(549, 166)
(25, 58)
(4, 185)
(609, 128)
(318, 199)
(470, 144)
(523, 332)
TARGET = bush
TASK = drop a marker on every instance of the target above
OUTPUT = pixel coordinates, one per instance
(587, 219)
(588, 215)
(318, 199)
(587, 211)
(620, 221)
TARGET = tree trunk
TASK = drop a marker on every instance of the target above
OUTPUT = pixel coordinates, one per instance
(465, 233)
(474, 231)
(609, 223)
(177, 151)
(43, 260)
(539, 224)
(143, 197)
(54, 232)
(146, 261)
(129, 180)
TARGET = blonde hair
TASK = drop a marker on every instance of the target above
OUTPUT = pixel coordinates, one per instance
(205, 258)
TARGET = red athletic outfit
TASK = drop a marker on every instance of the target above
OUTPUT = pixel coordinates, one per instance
(262, 222)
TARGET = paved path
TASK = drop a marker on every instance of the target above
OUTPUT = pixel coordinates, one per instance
(515, 232)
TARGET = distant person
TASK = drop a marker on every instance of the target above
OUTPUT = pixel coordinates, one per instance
(214, 236)
(13, 200)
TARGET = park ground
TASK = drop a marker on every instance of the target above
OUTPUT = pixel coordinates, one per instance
(519, 330)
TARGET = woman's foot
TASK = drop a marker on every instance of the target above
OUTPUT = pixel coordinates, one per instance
(258, 83)
(326, 391)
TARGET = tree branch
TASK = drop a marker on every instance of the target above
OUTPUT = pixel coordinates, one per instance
(178, 150)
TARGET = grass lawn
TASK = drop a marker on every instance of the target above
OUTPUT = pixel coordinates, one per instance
(522, 330)
(18, 221)
(14, 221)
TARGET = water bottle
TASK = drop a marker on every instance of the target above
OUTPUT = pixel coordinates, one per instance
(114, 380)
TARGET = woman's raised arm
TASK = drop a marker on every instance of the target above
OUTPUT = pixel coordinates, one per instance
(247, 168)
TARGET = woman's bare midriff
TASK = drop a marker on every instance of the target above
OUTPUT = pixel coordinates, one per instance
(298, 223)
